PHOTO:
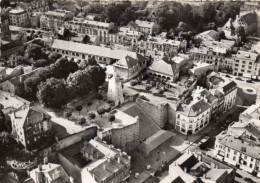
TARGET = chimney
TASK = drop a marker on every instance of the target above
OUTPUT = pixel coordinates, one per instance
(118, 160)
(212, 165)
(97, 155)
(108, 159)
(20, 79)
(185, 169)
(49, 165)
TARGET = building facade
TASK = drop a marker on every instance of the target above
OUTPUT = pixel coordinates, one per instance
(246, 64)
(193, 117)
(29, 125)
(105, 164)
(18, 17)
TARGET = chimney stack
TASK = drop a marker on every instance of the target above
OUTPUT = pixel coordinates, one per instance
(185, 169)
(71, 179)
(40, 167)
(118, 160)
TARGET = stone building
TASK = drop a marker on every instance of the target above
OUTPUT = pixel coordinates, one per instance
(130, 66)
(115, 91)
(251, 115)
(29, 125)
(123, 132)
(144, 26)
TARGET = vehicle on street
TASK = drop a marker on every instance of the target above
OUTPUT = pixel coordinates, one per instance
(228, 76)
(249, 81)
(239, 79)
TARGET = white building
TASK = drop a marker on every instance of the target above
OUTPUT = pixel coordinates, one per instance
(115, 91)
(18, 17)
(246, 64)
(238, 152)
(251, 115)
(193, 117)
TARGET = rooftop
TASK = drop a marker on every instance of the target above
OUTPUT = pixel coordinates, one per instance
(241, 146)
(92, 50)
(163, 67)
(160, 40)
(247, 55)
(121, 120)
(146, 24)
(253, 111)
(16, 11)
(195, 108)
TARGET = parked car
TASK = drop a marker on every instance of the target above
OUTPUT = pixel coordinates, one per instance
(228, 76)
(249, 81)
(239, 79)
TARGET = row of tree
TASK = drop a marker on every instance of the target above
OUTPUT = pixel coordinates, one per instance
(56, 84)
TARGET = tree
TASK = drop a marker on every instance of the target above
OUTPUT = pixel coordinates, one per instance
(65, 67)
(41, 63)
(111, 118)
(78, 108)
(31, 83)
(80, 82)
(2, 121)
(99, 96)
(207, 11)
(101, 111)
(54, 56)
(6, 143)
(52, 93)
(33, 51)
(98, 75)
(91, 115)
(240, 32)
(82, 120)
(212, 26)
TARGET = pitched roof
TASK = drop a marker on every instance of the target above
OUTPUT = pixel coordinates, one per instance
(208, 95)
(229, 86)
(91, 49)
(129, 62)
(194, 109)
(20, 116)
(242, 147)
(162, 67)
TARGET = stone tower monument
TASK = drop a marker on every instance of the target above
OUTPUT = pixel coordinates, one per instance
(115, 91)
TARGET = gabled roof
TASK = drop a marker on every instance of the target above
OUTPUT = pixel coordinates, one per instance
(194, 109)
(163, 67)
(20, 116)
(129, 62)
(91, 49)
(208, 95)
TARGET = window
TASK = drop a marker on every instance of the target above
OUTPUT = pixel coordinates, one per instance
(228, 150)
(244, 62)
(235, 153)
(227, 155)
(252, 159)
(244, 163)
(251, 165)
(234, 158)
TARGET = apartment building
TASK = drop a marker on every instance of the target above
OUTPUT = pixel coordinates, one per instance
(220, 86)
(18, 17)
(192, 117)
(152, 45)
(238, 152)
(29, 125)
(246, 64)
(144, 26)
(53, 20)
(90, 27)
(105, 164)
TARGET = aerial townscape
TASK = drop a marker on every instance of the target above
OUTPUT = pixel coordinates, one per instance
(133, 91)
